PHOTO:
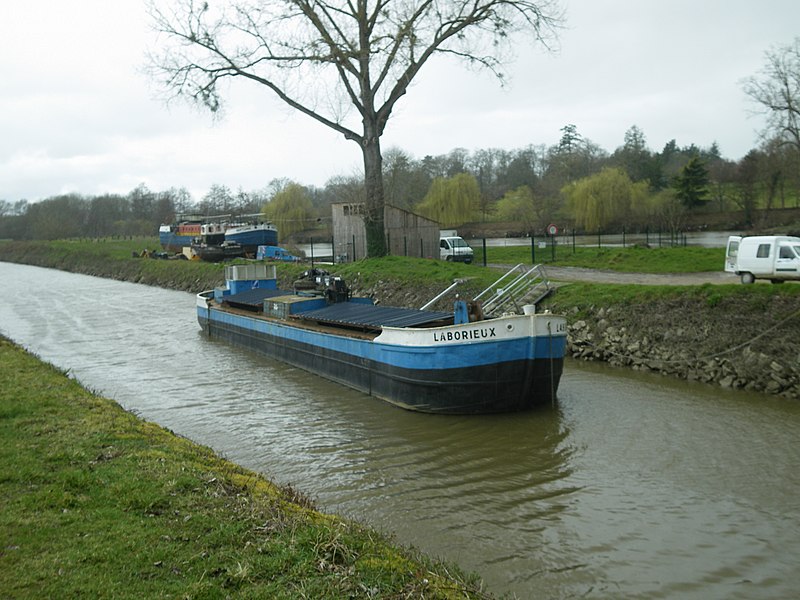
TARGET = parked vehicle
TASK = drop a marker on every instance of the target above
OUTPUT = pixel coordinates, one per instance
(773, 257)
(276, 253)
(453, 248)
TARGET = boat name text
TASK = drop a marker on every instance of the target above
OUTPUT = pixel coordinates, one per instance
(471, 334)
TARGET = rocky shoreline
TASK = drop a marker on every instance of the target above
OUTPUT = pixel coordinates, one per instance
(698, 344)
(753, 345)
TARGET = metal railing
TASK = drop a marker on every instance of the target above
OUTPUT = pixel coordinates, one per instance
(519, 286)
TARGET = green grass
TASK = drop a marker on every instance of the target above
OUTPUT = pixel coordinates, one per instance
(98, 504)
(585, 298)
(633, 259)
(113, 248)
(110, 255)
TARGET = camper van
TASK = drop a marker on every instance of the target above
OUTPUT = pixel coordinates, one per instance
(453, 248)
(773, 257)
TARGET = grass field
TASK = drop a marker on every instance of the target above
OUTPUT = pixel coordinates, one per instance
(633, 259)
(97, 503)
(680, 259)
(114, 258)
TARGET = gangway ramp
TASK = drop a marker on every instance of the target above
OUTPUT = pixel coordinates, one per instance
(521, 285)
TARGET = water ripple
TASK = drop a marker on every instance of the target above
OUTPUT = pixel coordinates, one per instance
(635, 486)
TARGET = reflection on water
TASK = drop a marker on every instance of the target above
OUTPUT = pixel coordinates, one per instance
(635, 485)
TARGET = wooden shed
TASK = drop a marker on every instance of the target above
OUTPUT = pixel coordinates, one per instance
(407, 233)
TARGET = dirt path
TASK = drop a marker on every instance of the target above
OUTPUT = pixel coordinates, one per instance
(567, 274)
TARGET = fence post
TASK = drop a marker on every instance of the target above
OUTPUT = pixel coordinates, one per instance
(533, 249)
(484, 252)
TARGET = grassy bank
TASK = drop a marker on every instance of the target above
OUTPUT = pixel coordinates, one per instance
(69, 254)
(408, 281)
(114, 259)
(98, 503)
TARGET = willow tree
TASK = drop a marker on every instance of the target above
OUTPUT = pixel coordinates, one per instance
(605, 198)
(343, 63)
(290, 209)
(452, 201)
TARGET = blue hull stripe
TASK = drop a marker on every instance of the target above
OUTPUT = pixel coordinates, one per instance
(254, 238)
(425, 358)
(474, 389)
(174, 240)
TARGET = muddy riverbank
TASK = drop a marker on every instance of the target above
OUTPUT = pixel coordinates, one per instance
(750, 342)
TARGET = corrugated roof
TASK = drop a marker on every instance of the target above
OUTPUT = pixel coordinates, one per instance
(369, 316)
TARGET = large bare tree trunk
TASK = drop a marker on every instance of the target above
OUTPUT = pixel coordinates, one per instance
(373, 180)
(362, 54)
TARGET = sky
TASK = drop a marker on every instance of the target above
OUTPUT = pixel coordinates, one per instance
(79, 114)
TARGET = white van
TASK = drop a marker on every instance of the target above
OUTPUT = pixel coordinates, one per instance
(773, 257)
(453, 248)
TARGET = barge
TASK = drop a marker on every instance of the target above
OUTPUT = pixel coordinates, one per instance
(449, 362)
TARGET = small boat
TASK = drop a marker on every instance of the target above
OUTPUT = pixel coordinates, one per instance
(212, 245)
(464, 361)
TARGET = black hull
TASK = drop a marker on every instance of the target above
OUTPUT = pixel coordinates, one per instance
(217, 253)
(505, 387)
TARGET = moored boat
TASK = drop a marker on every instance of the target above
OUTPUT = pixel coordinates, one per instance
(216, 239)
(212, 245)
(251, 236)
(455, 362)
(174, 237)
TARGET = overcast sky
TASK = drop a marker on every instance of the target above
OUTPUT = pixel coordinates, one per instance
(77, 114)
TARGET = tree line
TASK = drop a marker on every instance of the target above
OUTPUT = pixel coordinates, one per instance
(347, 68)
(574, 183)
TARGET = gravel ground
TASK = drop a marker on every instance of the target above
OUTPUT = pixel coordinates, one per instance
(568, 274)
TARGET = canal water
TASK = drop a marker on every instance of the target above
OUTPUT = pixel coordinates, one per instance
(633, 486)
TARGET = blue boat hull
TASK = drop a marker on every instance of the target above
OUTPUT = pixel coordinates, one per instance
(490, 377)
(251, 240)
(172, 242)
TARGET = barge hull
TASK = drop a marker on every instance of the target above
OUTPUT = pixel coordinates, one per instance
(501, 386)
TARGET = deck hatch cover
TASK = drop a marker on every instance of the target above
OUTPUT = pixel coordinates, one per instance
(370, 316)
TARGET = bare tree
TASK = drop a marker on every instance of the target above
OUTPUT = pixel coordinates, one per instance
(777, 90)
(326, 57)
